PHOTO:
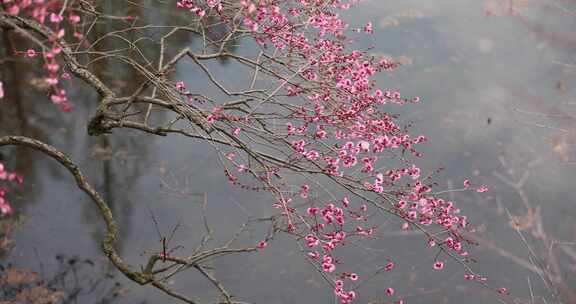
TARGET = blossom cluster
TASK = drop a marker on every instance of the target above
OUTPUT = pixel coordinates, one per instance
(5, 176)
(197, 8)
(340, 125)
(50, 15)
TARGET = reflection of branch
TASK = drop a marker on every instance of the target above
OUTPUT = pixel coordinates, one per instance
(548, 276)
(504, 253)
(545, 262)
(112, 230)
(568, 250)
(565, 64)
(19, 23)
(147, 275)
(563, 8)
(518, 186)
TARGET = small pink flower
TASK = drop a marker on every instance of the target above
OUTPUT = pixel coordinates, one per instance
(368, 28)
(251, 8)
(51, 80)
(364, 145)
(60, 34)
(57, 99)
(74, 19)
(313, 255)
(312, 155)
(54, 18)
(466, 183)
(503, 291)
(212, 3)
(180, 86)
(14, 10)
(230, 155)
(482, 189)
(304, 189)
(1, 90)
(438, 265)
(5, 208)
(351, 295)
(353, 277)
(261, 245)
(389, 266)
(52, 67)
(457, 246)
(405, 226)
(312, 210)
(57, 50)
(390, 291)
(328, 267)
(30, 53)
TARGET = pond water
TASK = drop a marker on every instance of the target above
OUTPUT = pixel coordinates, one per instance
(497, 96)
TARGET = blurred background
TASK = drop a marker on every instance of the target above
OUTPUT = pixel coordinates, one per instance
(497, 84)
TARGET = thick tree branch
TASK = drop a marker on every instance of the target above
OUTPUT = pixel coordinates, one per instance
(111, 234)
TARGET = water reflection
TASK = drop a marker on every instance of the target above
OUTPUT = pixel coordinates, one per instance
(485, 82)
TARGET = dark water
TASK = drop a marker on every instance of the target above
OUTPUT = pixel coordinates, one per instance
(492, 90)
